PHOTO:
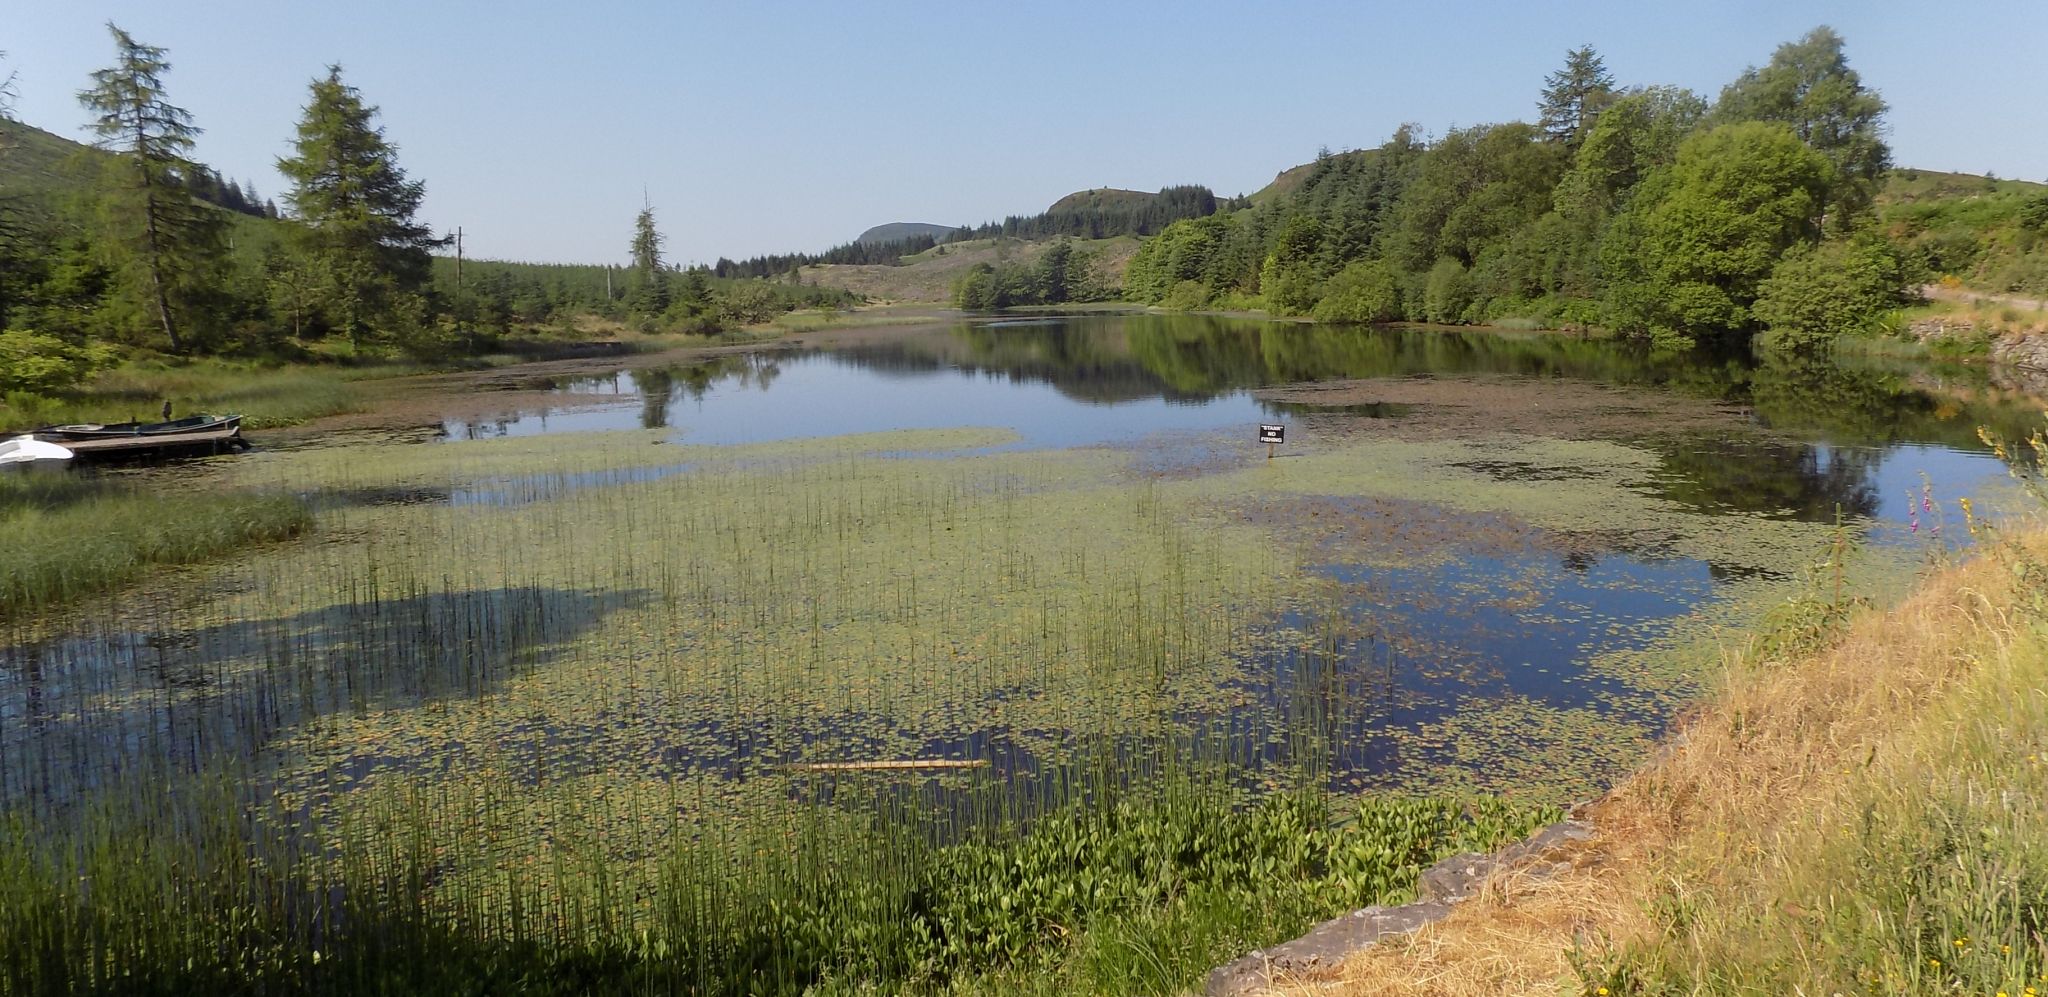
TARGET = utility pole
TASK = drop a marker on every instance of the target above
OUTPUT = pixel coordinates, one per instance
(468, 321)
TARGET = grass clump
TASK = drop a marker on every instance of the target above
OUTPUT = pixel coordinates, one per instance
(63, 536)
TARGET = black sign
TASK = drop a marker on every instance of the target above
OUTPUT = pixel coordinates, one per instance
(1272, 434)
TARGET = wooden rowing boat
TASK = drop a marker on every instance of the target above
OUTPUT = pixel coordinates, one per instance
(216, 431)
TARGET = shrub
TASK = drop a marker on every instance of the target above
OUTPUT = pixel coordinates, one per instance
(1447, 293)
(1367, 291)
(748, 303)
(1289, 288)
(1814, 295)
(1187, 295)
(30, 361)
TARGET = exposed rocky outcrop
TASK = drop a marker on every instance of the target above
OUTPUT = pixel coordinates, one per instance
(2030, 352)
(1944, 327)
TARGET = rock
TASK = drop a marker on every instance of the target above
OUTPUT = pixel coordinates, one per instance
(2030, 352)
(1448, 882)
(1928, 329)
(1325, 947)
(1462, 876)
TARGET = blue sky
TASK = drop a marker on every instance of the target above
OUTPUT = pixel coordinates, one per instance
(763, 127)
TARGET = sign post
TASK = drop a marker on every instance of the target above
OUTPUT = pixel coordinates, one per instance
(1271, 435)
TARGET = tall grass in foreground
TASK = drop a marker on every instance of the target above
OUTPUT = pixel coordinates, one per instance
(1859, 810)
(821, 896)
(1906, 843)
(63, 536)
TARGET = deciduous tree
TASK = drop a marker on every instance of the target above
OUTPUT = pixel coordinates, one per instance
(1809, 87)
(1687, 258)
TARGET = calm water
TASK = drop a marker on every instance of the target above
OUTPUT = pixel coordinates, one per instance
(1861, 438)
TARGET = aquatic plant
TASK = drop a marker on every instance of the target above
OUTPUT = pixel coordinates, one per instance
(63, 536)
(547, 713)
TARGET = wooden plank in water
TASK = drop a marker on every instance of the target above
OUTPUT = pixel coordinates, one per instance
(899, 763)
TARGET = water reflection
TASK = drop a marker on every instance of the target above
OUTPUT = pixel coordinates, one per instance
(1832, 439)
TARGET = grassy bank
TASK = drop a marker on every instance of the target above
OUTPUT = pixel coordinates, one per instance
(63, 536)
(266, 396)
(1858, 811)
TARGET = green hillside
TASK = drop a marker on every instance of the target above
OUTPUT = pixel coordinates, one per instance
(1293, 178)
(38, 167)
(1650, 212)
(900, 231)
(1981, 232)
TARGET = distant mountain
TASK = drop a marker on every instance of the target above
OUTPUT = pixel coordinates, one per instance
(1098, 212)
(899, 231)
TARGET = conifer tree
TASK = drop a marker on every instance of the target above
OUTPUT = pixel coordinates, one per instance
(646, 243)
(357, 206)
(166, 245)
(651, 296)
(1574, 95)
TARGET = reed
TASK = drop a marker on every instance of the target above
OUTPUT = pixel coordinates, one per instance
(65, 536)
(545, 717)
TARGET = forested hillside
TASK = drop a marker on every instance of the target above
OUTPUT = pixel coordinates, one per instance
(1103, 213)
(1647, 210)
(1643, 209)
(1979, 232)
(130, 247)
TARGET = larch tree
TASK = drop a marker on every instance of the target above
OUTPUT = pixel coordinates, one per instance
(166, 245)
(1574, 96)
(358, 208)
(7, 97)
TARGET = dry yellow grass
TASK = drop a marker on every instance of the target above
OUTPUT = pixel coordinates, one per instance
(1745, 809)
